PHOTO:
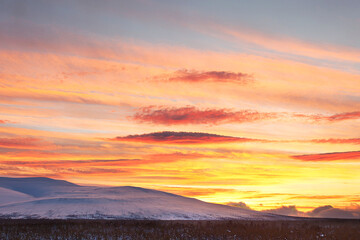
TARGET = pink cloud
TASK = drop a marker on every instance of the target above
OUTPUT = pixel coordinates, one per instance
(185, 75)
(193, 115)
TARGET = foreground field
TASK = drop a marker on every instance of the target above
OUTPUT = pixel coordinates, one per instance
(130, 229)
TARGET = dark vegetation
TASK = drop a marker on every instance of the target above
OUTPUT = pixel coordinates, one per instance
(148, 229)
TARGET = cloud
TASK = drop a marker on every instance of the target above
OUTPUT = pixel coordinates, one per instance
(318, 210)
(285, 45)
(344, 116)
(239, 205)
(172, 157)
(326, 211)
(329, 156)
(106, 163)
(31, 152)
(185, 75)
(55, 96)
(168, 137)
(318, 197)
(88, 171)
(57, 44)
(68, 163)
(329, 118)
(285, 210)
(195, 191)
(329, 211)
(24, 142)
(337, 140)
(192, 115)
(3, 121)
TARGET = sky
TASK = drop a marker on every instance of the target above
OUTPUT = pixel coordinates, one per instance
(248, 102)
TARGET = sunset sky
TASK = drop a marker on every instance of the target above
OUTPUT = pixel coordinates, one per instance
(225, 101)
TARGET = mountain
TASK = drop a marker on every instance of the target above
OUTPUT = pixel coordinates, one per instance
(57, 199)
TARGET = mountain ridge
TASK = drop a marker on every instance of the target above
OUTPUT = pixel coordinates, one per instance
(59, 199)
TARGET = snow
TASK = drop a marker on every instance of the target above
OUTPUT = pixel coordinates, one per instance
(60, 200)
(10, 196)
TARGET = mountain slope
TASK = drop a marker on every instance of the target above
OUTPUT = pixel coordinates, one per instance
(61, 199)
(8, 196)
(36, 187)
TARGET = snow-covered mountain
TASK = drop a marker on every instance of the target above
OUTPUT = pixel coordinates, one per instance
(49, 198)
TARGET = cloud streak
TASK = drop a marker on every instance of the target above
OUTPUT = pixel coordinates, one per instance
(168, 137)
(329, 118)
(329, 156)
(24, 142)
(287, 45)
(337, 140)
(185, 75)
(193, 115)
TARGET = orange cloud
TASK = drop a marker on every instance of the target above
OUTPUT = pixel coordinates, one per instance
(192, 115)
(182, 138)
(186, 75)
(329, 156)
(337, 141)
